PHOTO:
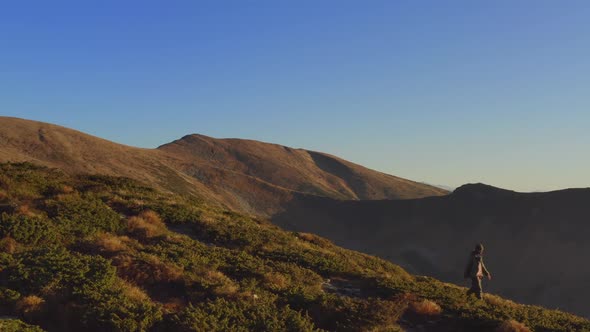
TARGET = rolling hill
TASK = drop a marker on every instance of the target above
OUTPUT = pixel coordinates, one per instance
(537, 243)
(248, 176)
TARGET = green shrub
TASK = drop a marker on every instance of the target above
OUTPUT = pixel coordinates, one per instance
(35, 269)
(84, 215)
(98, 182)
(14, 325)
(88, 281)
(6, 260)
(107, 309)
(29, 230)
(28, 181)
(316, 261)
(8, 298)
(176, 213)
(222, 315)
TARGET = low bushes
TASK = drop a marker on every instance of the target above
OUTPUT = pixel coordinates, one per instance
(88, 283)
(29, 230)
(83, 215)
(240, 316)
(15, 325)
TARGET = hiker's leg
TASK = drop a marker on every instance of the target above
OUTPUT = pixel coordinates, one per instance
(473, 287)
(477, 284)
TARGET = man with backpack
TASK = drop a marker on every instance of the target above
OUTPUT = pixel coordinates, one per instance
(476, 270)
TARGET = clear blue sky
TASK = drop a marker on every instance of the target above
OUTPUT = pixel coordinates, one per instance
(446, 92)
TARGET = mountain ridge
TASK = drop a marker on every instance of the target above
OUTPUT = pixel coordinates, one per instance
(246, 175)
(327, 174)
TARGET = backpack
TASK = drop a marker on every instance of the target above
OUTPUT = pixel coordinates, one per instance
(472, 265)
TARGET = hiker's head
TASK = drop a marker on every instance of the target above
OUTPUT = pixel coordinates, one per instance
(479, 248)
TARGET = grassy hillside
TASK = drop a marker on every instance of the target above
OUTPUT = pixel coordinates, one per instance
(101, 253)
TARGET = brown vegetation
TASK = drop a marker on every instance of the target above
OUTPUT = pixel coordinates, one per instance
(133, 292)
(29, 306)
(276, 281)
(65, 189)
(221, 284)
(110, 243)
(174, 304)
(317, 240)
(496, 300)
(147, 269)
(146, 225)
(8, 245)
(512, 326)
(425, 307)
(25, 210)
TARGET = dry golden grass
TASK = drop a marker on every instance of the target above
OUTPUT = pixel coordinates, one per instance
(425, 307)
(226, 289)
(148, 270)
(133, 292)
(498, 301)
(174, 304)
(63, 197)
(276, 281)
(512, 326)
(319, 241)
(65, 189)
(107, 242)
(214, 276)
(25, 210)
(222, 285)
(29, 305)
(146, 225)
(8, 245)
(135, 203)
(208, 220)
(152, 217)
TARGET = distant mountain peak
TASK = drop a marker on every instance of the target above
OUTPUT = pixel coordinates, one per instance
(480, 190)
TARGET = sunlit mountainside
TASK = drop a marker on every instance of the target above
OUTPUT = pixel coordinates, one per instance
(247, 176)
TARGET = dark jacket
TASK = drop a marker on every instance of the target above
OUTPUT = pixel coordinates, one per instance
(475, 259)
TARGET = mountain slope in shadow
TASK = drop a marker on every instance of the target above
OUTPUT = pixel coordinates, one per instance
(537, 243)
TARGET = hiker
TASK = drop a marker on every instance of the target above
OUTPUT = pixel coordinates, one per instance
(476, 270)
